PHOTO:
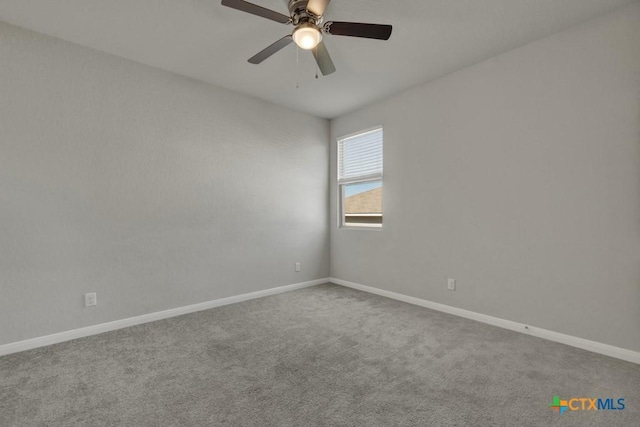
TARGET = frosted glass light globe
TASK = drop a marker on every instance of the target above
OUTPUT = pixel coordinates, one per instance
(307, 36)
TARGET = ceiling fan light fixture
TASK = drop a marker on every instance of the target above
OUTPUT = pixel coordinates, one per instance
(307, 18)
(307, 36)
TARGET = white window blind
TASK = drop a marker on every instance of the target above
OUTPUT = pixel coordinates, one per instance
(360, 156)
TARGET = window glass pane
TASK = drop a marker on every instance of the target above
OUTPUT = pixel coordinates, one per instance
(360, 156)
(362, 203)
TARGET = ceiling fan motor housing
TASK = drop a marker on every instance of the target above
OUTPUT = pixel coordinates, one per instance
(300, 14)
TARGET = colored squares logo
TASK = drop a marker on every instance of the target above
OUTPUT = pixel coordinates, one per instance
(559, 405)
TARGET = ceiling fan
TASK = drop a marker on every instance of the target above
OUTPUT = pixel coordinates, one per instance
(307, 18)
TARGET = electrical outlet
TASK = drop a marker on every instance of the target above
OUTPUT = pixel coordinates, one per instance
(451, 284)
(90, 299)
(297, 266)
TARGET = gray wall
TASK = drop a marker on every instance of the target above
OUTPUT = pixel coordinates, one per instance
(151, 189)
(520, 178)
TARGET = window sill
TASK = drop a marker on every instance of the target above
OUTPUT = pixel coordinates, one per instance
(368, 227)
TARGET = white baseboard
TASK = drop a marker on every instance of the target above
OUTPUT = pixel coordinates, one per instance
(596, 347)
(32, 343)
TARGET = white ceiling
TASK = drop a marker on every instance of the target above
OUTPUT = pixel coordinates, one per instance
(209, 42)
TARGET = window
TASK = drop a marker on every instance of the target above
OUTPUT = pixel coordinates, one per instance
(360, 179)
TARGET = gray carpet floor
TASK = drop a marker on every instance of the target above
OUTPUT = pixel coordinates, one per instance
(321, 356)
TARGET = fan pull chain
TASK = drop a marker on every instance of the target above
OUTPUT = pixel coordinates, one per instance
(297, 67)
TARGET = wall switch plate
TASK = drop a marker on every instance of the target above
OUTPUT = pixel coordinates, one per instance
(451, 284)
(297, 266)
(90, 299)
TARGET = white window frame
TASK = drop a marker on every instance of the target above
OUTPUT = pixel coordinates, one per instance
(342, 183)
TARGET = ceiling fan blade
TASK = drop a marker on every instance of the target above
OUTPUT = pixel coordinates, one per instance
(357, 29)
(254, 9)
(317, 7)
(323, 59)
(275, 47)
